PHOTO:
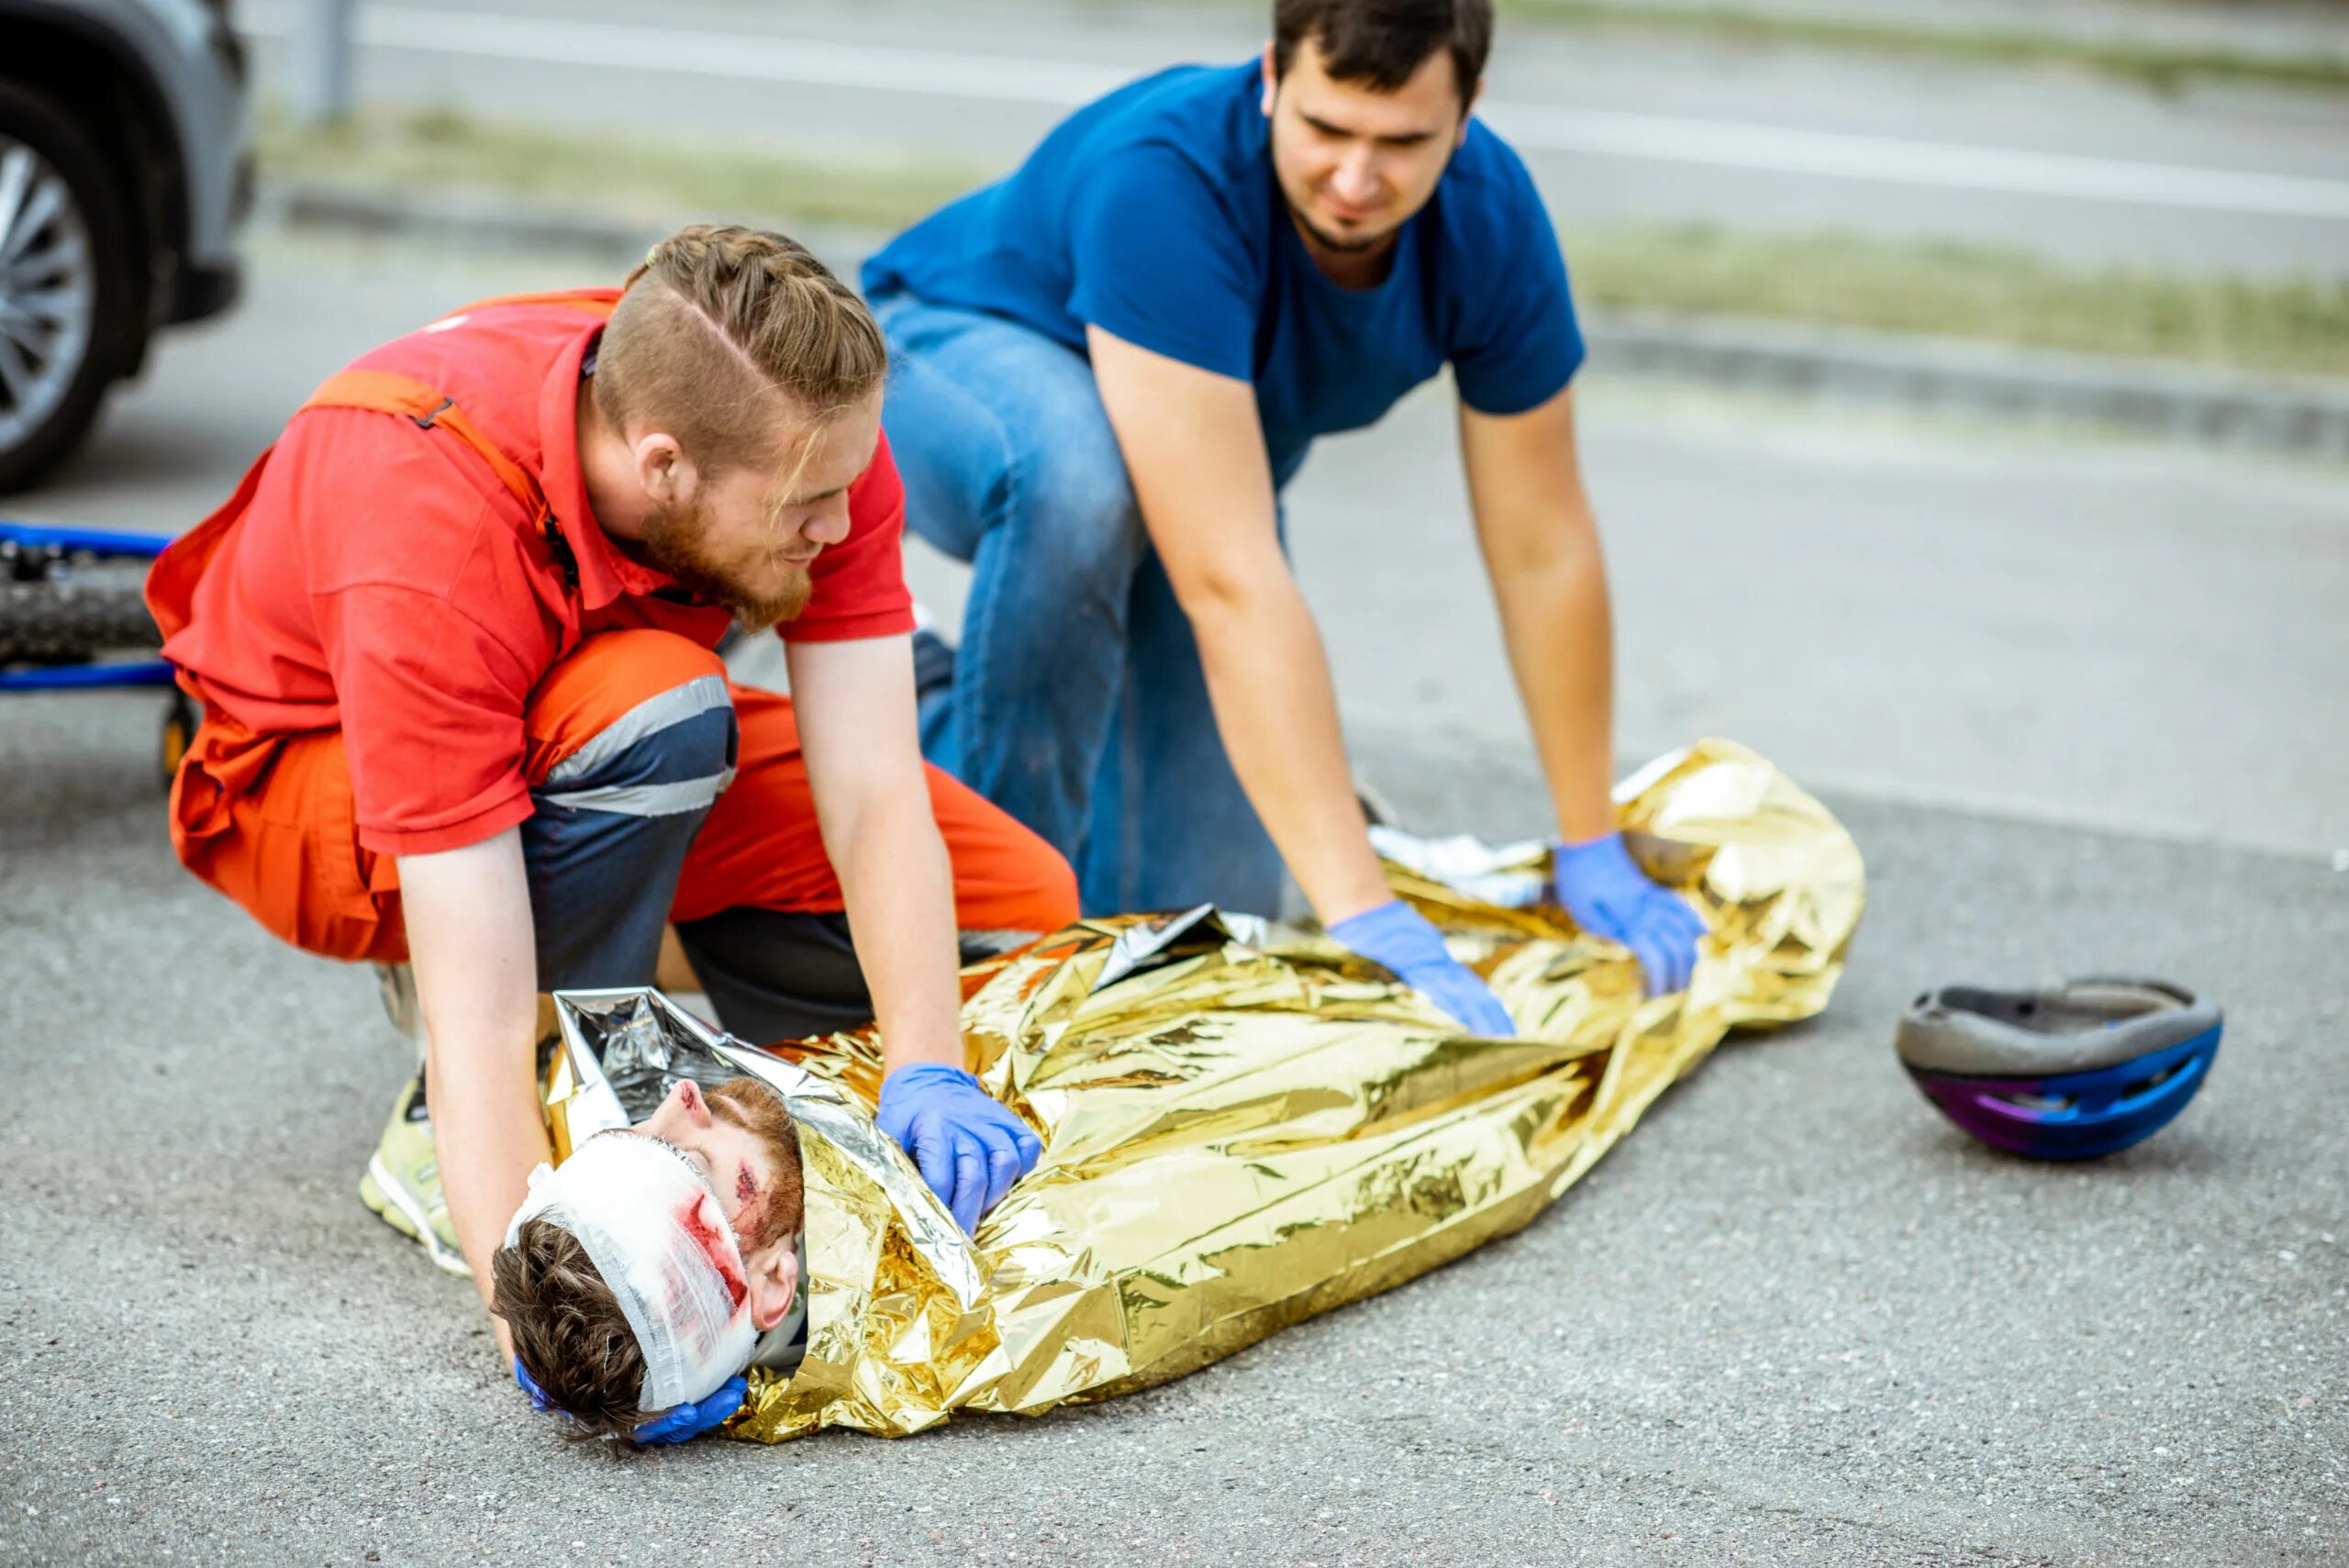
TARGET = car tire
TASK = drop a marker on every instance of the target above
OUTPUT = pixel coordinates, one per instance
(80, 261)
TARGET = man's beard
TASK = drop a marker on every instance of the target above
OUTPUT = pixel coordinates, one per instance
(674, 541)
(1341, 244)
(752, 1105)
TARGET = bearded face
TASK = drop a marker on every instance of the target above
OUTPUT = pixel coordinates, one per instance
(754, 580)
(746, 536)
(1354, 162)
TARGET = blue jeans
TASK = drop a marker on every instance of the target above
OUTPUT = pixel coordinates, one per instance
(651, 774)
(1078, 704)
(607, 844)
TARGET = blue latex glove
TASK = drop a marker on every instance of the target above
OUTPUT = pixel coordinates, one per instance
(685, 1422)
(967, 1145)
(689, 1421)
(529, 1385)
(1401, 938)
(1609, 895)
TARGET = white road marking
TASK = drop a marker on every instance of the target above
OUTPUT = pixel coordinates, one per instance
(2013, 171)
(1055, 83)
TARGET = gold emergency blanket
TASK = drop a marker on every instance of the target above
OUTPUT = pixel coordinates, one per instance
(1245, 1125)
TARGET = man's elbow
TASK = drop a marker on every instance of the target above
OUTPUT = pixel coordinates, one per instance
(1551, 553)
(1232, 593)
(877, 806)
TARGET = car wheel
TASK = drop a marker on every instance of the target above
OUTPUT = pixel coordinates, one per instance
(67, 292)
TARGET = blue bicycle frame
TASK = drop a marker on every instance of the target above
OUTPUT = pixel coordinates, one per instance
(109, 543)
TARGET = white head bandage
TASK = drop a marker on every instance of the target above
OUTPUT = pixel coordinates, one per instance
(656, 1235)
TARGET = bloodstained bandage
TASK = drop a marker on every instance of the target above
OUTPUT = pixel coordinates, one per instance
(656, 1235)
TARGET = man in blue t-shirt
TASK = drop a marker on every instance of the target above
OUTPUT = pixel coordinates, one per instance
(1109, 364)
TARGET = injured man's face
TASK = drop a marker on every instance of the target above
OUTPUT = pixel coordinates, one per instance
(638, 1276)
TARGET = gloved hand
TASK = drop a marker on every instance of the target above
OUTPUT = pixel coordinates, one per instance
(1399, 937)
(685, 1422)
(967, 1145)
(689, 1421)
(1609, 895)
(529, 1385)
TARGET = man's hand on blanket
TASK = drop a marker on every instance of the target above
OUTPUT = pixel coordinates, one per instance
(967, 1145)
(1609, 895)
(1399, 937)
(680, 1424)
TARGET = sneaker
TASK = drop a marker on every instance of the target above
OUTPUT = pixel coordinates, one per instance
(933, 664)
(933, 690)
(1376, 809)
(403, 1182)
(396, 985)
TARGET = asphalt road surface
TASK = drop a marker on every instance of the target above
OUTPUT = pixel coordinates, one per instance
(1617, 128)
(1794, 1320)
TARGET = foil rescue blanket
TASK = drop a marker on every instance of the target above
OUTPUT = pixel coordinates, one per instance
(1244, 1125)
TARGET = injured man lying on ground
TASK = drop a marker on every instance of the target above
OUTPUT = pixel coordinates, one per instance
(1243, 1126)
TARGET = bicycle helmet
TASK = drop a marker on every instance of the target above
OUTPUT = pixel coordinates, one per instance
(2068, 1072)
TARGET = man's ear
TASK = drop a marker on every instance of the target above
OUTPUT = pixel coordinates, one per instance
(773, 1273)
(1272, 79)
(662, 469)
(1467, 111)
(692, 1103)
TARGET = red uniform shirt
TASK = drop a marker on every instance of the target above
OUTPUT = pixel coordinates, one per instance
(383, 581)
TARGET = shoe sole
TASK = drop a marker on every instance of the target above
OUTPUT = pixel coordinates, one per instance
(398, 1210)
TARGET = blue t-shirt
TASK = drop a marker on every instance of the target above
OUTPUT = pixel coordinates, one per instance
(1153, 214)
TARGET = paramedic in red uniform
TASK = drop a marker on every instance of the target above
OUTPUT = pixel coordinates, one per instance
(453, 642)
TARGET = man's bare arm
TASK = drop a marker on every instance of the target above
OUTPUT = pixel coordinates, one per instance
(1540, 544)
(855, 707)
(472, 939)
(855, 702)
(1195, 448)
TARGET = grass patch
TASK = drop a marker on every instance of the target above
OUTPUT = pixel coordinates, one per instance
(2299, 325)
(2162, 66)
(1838, 280)
(444, 147)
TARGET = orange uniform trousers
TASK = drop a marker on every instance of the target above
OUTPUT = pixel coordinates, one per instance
(268, 819)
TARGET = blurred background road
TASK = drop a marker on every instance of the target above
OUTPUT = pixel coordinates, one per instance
(1616, 128)
(2082, 695)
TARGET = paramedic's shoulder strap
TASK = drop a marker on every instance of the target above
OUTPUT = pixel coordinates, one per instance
(171, 581)
(381, 391)
(593, 301)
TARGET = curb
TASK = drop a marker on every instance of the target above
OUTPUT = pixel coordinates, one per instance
(2167, 399)
(2181, 402)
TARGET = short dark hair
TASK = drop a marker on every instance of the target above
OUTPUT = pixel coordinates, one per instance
(1384, 41)
(569, 1331)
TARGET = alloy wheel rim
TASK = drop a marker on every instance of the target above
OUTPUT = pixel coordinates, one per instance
(49, 291)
